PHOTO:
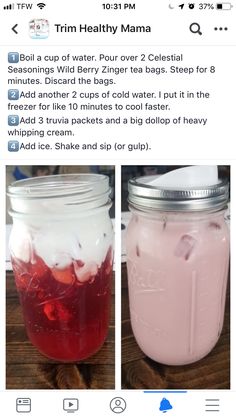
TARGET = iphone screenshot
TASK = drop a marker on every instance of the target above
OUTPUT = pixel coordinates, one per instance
(118, 169)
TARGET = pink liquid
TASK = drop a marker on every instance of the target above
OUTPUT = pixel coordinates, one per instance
(66, 319)
(177, 273)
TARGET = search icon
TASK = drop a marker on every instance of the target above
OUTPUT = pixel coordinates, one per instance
(195, 28)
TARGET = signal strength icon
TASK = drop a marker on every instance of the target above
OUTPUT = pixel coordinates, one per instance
(9, 7)
(41, 5)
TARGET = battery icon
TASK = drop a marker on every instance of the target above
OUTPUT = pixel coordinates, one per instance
(224, 6)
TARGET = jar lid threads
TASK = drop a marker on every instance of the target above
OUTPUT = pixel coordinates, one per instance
(149, 197)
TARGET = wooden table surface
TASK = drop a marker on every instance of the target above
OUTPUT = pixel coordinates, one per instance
(26, 368)
(140, 372)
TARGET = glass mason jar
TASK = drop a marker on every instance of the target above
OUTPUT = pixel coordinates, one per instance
(61, 251)
(177, 259)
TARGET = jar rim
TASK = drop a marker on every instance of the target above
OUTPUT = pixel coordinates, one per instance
(59, 193)
(144, 196)
(53, 186)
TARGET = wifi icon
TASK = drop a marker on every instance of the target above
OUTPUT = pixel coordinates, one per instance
(41, 5)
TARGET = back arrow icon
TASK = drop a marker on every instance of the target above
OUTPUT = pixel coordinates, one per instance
(14, 28)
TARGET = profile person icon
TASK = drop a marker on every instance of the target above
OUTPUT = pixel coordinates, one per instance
(117, 405)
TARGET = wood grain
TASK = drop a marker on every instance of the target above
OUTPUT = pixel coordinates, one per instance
(140, 372)
(26, 368)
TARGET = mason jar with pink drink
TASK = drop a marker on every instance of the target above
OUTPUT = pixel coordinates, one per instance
(177, 259)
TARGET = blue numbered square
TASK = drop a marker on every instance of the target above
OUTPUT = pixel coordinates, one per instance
(13, 120)
(13, 57)
(13, 146)
(13, 94)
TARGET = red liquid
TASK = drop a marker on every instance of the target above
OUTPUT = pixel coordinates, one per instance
(66, 320)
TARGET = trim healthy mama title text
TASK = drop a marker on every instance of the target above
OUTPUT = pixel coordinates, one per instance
(101, 28)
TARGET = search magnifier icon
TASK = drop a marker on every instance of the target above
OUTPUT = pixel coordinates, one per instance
(195, 28)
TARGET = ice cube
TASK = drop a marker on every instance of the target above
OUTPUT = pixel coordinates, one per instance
(164, 223)
(185, 246)
(86, 271)
(214, 226)
(56, 247)
(20, 244)
(65, 275)
(55, 310)
(61, 260)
